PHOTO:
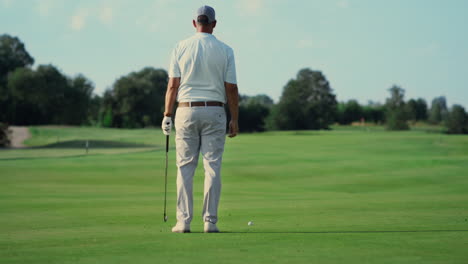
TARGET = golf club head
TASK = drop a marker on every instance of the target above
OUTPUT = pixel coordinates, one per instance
(165, 218)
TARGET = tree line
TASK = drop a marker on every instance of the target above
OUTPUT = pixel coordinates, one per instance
(308, 102)
(39, 96)
(45, 95)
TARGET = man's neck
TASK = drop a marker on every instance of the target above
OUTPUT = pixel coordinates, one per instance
(205, 30)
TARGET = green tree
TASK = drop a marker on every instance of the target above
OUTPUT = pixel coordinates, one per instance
(307, 102)
(107, 120)
(253, 112)
(261, 99)
(78, 96)
(55, 86)
(41, 96)
(412, 108)
(13, 55)
(457, 120)
(95, 104)
(417, 109)
(28, 98)
(46, 96)
(374, 112)
(137, 95)
(396, 115)
(438, 111)
(107, 111)
(421, 110)
(349, 112)
(4, 135)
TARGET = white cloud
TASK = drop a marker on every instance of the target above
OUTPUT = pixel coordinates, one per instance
(343, 4)
(251, 7)
(106, 15)
(78, 20)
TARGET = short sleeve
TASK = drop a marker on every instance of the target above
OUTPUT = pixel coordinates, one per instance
(230, 76)
(174, 70)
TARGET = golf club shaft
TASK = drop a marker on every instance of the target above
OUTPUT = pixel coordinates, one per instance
(165, 179)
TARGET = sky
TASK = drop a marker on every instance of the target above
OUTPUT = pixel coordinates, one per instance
(363, 47)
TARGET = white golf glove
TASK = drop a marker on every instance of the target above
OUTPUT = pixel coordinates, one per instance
(166, 125)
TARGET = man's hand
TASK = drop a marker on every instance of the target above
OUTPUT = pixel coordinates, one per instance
(233, 128)
(166, 125)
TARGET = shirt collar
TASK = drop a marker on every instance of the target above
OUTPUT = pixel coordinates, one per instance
(204, 35)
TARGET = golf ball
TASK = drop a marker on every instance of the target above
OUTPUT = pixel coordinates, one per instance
(250, 223)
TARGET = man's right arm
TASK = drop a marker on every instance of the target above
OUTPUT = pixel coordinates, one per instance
(232, 94)
(171, 95)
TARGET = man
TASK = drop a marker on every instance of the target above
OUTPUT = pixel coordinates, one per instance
(202, 77)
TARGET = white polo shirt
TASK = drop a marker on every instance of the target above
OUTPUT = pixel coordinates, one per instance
(203, 64)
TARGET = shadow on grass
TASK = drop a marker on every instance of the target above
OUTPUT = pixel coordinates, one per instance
(342, 232)
(81, 145)
(101, 144)
(83, 155)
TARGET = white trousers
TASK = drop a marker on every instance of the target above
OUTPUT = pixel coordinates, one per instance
(199, 130)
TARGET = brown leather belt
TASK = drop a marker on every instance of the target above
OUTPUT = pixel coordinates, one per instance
(192, 104)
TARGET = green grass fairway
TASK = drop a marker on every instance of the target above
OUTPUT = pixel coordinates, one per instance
(344, 196)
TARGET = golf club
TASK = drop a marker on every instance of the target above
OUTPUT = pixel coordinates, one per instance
(165, 179)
